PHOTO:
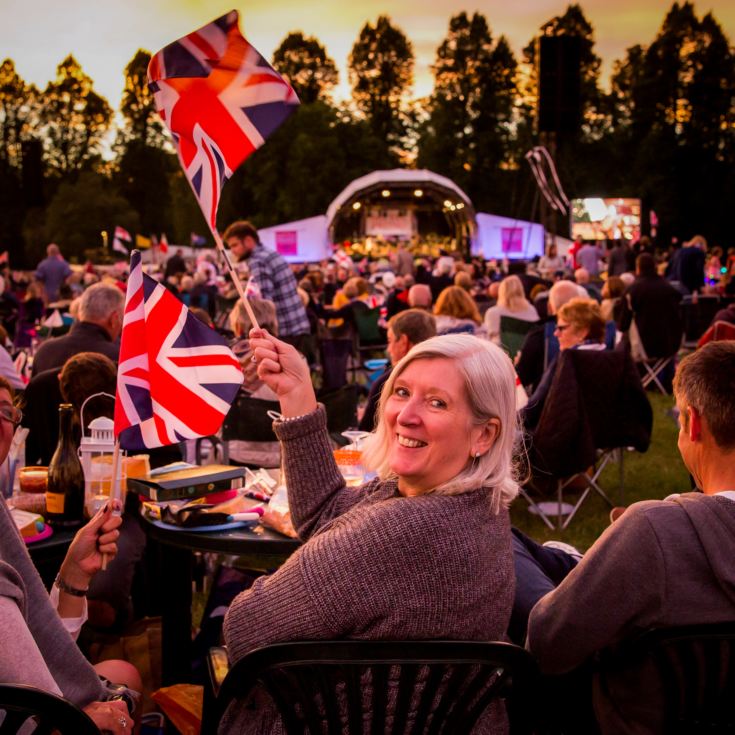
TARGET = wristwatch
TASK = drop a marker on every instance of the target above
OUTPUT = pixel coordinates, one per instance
(64, 587)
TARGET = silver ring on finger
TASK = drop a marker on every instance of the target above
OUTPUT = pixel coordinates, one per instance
(123, 722)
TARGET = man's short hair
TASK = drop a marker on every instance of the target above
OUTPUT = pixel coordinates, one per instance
(419, 295)
(645, 265)
(560, 293)
(705, 380)
(417, 324)
(99, 301)
(241, 229)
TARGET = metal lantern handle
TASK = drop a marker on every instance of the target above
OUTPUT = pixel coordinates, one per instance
(84, 403)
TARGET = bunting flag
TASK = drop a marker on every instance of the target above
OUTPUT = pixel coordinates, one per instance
(122, 234)
(221, 100)
(142, 242)
(120, 239)
(176, 377)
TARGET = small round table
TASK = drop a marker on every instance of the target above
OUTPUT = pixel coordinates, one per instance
(176, 548)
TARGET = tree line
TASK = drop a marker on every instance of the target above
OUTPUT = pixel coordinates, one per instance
(663, 131)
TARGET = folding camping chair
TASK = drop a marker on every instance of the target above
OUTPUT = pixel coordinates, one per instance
(595, 409)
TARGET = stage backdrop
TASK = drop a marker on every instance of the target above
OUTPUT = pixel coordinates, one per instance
(501, 237)
(302, 241)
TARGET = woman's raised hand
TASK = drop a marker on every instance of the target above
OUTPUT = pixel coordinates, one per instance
(284, 371)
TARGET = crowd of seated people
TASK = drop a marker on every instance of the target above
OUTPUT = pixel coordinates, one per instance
(445, 430)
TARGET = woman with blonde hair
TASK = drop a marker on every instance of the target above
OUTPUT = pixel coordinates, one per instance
(433, 524)
(456, 312)
(512, 301)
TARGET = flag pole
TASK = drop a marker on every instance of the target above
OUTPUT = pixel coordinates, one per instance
(115, 490)
(234, 277)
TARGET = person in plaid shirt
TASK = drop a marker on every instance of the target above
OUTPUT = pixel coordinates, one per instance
(274, 279)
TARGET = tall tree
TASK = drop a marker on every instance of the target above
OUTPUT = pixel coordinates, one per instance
(311, 72)
(137, 107)
(16, 105)
(381, 75)
(73, 119)
(470, 119)
(80, 210)
(144, 163)
(673, 105)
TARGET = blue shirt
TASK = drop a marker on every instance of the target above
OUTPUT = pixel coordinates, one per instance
(52, 272)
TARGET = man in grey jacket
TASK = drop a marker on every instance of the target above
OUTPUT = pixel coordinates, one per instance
(664, 563)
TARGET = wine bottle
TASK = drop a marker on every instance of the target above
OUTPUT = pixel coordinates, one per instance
(65, 489)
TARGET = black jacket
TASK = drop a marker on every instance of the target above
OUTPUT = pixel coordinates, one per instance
(655, 305)
(595, 401)
(83, 337)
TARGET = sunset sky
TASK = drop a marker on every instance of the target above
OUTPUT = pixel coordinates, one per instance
(104, 36)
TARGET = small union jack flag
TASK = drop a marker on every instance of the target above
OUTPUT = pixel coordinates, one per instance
(177, 377)
(220, 99)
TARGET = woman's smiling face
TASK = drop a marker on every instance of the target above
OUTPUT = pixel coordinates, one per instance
(429, 423)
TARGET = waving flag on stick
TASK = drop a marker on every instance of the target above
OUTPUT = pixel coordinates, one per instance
(220, 99)
(176, 377)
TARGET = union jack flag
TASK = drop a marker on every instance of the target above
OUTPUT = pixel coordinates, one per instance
(220, 99)
(177, 377)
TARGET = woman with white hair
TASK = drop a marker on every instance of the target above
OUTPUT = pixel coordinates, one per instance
(512, 301)
(423, 551)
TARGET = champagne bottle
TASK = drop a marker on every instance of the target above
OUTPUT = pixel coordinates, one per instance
(65, 489)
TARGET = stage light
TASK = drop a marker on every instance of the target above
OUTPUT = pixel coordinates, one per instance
(418, 193)
(356, 206)
(447, 203)
(385, 193)
(460, 206)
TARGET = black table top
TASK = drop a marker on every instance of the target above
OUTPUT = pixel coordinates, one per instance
(53, 546)
(239, 541)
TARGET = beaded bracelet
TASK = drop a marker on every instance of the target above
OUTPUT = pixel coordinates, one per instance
(64, 587)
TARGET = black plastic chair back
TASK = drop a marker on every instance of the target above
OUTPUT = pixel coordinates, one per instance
(341, 408)
(698, 315)
(438, 687)
(693, 670)
(248, 420)
(335, 354)
(512, 333)
(366, 321)
(52, 714)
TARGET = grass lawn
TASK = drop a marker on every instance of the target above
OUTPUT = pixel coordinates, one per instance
(653, 475)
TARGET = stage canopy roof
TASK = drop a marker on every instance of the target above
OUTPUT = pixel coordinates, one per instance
(404, 184)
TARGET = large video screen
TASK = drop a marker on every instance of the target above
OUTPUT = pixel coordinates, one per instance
(598, 218)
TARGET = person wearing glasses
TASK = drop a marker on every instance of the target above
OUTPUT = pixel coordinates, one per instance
(38, 630)
(579, 326)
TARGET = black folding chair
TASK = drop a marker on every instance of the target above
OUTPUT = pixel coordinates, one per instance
(247, 420)
(595, 409)
(333, 687)
(682, 679)
(24, 706)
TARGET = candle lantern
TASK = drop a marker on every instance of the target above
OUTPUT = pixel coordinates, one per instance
(96, 453)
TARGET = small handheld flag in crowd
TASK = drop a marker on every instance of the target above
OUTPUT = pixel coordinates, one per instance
(197, 241)
(176, 376)
(163, 243)
(120, 239)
